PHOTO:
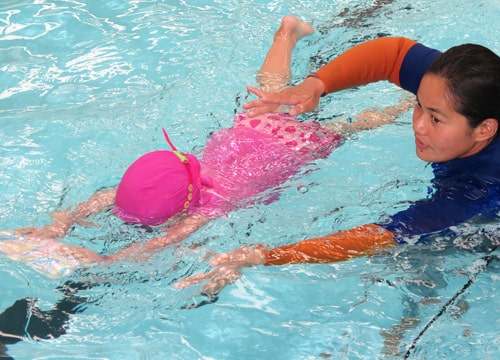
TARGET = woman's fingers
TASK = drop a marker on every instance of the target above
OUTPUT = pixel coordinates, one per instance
(301, 98)
(195, 279)
(225, 276)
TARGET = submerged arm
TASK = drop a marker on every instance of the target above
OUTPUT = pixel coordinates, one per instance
(62, 220)
(340, 246)
(178, 232)
(96, 204)
(372, 118)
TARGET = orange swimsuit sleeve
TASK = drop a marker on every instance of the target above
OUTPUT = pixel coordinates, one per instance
(344, 245)
(372, 61)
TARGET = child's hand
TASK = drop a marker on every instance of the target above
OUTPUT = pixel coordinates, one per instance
(42, 233)
(62, 222)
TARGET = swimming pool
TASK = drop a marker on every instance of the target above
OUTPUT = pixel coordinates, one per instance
(86, 86)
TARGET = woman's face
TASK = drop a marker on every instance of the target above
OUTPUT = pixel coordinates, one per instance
(442, 134)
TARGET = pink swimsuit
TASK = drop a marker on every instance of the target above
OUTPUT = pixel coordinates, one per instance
(255, 155)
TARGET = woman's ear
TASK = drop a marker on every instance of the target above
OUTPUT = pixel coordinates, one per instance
(487, 129)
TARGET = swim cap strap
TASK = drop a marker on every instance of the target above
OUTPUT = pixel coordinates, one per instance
(180, 155)
(172, 146)
(184, 159)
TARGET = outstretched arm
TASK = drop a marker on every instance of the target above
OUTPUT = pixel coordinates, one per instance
(340, 246)
(372, 118)
(178, 232)
(62, 220)
(97, 203)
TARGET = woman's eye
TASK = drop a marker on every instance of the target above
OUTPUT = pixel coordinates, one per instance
(435, 119)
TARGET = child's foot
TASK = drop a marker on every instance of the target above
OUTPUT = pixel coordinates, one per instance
(294, 27)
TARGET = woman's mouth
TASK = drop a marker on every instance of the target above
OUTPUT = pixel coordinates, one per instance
(419, 144)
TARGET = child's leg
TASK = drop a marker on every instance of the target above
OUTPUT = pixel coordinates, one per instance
(275, 71)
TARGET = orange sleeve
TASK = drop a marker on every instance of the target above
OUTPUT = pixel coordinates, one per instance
(344, 245)
(372, 61)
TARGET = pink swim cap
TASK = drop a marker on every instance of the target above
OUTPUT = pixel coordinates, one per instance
(157, 186)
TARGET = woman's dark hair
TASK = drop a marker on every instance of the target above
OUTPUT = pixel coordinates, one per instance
(472, 74)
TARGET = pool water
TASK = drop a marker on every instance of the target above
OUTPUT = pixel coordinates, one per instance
(86, 86)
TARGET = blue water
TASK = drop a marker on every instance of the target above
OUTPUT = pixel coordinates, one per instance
(85, 88)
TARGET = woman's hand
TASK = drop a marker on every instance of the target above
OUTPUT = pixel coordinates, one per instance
(302, 98)
(227, 266)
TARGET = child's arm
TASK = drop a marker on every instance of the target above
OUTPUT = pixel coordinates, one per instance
(64, 219)
(97, 203)
(178, 232)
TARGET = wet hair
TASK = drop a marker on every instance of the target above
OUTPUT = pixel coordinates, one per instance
(472, 74)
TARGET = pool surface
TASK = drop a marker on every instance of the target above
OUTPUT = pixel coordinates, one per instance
(85, 88)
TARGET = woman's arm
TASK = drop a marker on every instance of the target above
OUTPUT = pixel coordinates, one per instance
(340, 246)
(374, 60)
(371, 61)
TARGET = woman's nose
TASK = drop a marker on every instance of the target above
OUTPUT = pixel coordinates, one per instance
(418, 122)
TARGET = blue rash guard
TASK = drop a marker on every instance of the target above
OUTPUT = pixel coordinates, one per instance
(462, 188)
